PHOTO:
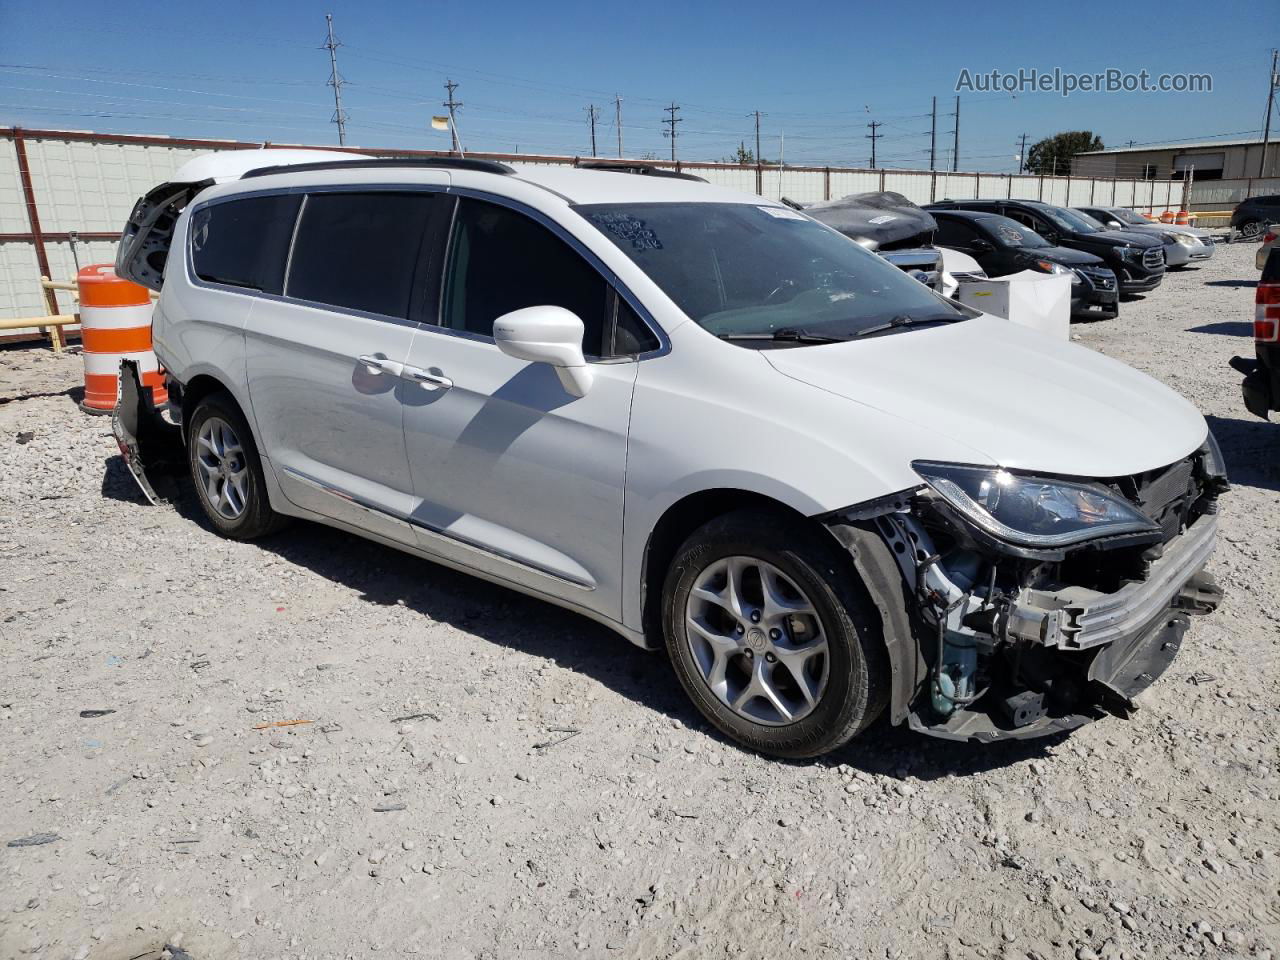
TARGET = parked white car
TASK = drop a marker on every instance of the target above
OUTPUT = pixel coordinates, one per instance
(696, 416)
(1182, 244)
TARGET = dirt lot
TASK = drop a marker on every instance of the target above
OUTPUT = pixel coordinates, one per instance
(462, 833)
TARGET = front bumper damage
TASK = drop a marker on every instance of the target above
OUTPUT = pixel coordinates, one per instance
(1045, 643)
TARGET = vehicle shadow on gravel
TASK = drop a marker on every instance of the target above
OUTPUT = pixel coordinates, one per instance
(1231, 283)
(1251, 449)
(1228, 328)
(387, 577)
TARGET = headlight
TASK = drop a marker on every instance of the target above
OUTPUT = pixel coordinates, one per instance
(1186, 239)
(1048, 266)
(1130, 253)
(1031, 511)
(1076, 278)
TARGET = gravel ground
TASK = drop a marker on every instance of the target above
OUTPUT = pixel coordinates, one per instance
(482, 775)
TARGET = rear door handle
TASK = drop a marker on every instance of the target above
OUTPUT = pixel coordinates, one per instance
(382, 365)
(428, 381)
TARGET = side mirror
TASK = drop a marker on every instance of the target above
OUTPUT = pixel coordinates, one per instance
(1113, 225)
(550, 335)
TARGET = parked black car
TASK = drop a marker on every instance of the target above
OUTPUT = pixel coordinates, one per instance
(1261, 385)
(1136, 259)
(1003, 246)
(1251, 216)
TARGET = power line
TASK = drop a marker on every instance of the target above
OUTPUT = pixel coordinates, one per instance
(955, 148)
(933, 136)
(617, 120)
(592, 113)
(1273, 81)
(452, 105)
(671, 122)
(335, 81)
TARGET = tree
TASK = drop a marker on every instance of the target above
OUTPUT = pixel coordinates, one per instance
(1052, 155)
(741, 156)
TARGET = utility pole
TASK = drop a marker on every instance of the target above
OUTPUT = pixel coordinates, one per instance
(592, 113)
(955, 146)
(873, 136)
(451, 105)
(757, 115)
(933, 137)
(617, 120)
(671, 122)
(335, 81)
(1273, 81)
(1022, 153)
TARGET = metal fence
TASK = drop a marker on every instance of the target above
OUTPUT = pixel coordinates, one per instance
(57, 186)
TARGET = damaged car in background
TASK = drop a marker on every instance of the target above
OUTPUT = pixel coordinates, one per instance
(886, 223)
(696, 416)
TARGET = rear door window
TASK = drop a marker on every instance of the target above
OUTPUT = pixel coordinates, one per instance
(954, 233)
(244, 243)
(360, 251)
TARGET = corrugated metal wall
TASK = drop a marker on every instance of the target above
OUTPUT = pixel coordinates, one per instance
(87, 183)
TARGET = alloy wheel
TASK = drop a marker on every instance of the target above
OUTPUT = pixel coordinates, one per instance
(224, 472)
(757, 641)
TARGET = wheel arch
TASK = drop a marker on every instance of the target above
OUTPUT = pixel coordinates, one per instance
(674, 526)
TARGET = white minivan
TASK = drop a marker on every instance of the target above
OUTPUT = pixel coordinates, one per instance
(697, 416)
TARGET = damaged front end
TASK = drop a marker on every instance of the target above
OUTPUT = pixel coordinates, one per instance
(1035, 604)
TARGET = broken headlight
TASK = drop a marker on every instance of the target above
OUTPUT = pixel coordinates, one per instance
(1028, 511)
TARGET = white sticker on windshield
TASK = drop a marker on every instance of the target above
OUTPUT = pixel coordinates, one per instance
(782, 213)
(883, 218)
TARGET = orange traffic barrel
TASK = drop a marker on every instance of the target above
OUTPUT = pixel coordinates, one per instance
(1183, 219)
(115, 325)
(1166, 217)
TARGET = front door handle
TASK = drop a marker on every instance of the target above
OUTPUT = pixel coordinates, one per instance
(427, 380)
(377, 365)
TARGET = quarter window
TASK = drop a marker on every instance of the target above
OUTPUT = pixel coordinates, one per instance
(244, 243)
(360, 250)
(501, 260)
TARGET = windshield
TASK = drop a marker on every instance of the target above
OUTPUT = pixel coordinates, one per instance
(738, 269)
(1070, 220)
(1010, 233)
(1128, 216)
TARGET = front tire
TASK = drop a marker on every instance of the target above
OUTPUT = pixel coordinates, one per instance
(773, 636)
(1251, 229)
(227, 471)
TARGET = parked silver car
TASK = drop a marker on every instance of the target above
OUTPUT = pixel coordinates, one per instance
(1182, 244)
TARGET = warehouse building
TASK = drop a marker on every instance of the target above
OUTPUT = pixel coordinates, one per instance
(1208, 159)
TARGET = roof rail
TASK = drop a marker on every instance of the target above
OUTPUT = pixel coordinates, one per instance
(632, 166)
(366, 163)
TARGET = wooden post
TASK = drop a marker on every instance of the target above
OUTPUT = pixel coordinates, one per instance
(51, 308)
(826, 183)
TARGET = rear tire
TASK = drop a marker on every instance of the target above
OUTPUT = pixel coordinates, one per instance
(773, 636)
(227, 471)
(1251, 229)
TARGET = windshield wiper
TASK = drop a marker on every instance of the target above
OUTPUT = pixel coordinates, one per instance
(905, 320)
(786, 334)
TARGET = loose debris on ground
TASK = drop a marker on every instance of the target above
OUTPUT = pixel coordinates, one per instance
(440, 806)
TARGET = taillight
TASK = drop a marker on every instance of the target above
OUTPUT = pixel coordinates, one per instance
(1266, 316)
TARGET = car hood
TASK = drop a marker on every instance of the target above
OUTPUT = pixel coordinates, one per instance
(1063, 255)
(1172, 228)
(1120, 238)
(1021, 399)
